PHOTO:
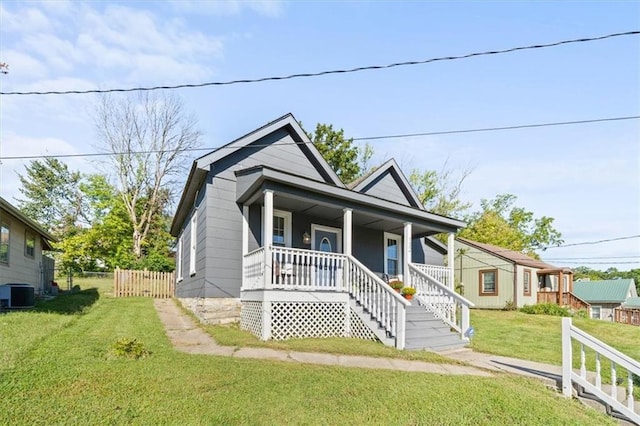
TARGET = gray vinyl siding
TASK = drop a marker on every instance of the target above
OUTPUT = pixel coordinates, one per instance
(422, 253)
(219, 249)
(193, 285)
(21, 269)
(281, 154)
(387, 188)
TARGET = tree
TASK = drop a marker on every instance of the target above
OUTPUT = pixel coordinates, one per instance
(148, 136)
(439, 192)
(347, 160)
(502, 224)
(52, 196)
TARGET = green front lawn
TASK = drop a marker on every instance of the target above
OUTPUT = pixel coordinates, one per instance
(539, 337)
(59, 369)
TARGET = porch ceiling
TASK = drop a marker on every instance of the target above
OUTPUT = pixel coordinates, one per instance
(315, 199)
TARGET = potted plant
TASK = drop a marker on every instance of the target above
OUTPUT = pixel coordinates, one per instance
(396, 285)
(408, 292)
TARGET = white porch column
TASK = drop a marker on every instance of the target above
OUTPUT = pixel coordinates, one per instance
(267, 237)
(406, 254)
(347, 232)
(450, 258)
(245, 240)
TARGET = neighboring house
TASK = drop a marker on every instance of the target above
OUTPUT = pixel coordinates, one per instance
(22, 241)
(605, 296)
(493, 277)
(264, 223)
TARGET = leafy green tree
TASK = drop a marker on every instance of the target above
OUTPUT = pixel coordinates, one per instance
(502, 224)
(52, 196)
(348, 160)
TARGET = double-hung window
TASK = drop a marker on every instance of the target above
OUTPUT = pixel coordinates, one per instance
(489, 282)
(595, 312)
(281, 228)
(29, 244)
(4, 242)
(179, 259)
(193, 242)
(526, 282)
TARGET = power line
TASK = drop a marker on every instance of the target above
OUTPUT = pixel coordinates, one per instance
(493, 129)
(584, 243)
(321, 73)
(445, 132)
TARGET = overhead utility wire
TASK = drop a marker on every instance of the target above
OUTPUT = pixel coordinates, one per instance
(230, 146)
(321, 73)
(493, 129)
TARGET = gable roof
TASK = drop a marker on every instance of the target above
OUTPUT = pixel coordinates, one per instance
(508, 255)
(201, 165)
(607, 291)
(435, 244)
(27, 221)
(390, 167)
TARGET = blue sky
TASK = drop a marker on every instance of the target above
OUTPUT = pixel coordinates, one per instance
(587, 177)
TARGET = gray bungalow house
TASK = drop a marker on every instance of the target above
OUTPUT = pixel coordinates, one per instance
(22, 242)
(493, 277)
(605, 296)
(264, 224)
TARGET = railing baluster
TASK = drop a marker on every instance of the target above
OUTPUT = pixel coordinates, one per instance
(614, 382)
(630, 402)
(598, 375)
(583, 363)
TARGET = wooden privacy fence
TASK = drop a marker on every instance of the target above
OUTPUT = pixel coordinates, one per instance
(628, 316)
(128, 283)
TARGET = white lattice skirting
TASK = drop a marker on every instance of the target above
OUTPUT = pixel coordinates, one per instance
(304, 320)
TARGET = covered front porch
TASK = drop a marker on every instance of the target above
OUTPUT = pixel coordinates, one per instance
(328, 256)
(556, 286)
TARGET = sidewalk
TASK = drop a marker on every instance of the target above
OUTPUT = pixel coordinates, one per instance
(187, 336)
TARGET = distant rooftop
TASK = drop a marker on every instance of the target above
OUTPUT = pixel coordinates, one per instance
(606, 291)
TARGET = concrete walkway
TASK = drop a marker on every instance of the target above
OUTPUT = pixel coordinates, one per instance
(187, 336)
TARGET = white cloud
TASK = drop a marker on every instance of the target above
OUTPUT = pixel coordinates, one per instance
(270, 8)
(26, 20)
(14, 145)
(23, 65)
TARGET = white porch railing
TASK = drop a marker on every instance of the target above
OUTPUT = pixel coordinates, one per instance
(253, 270)
(300, 269)
(382, 302)
(628, 405)
(443, 274)
(309, 270)
(445, 303)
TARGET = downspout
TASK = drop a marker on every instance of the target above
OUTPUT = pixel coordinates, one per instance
(515, 284)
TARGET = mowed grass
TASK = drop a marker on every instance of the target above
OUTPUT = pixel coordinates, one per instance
(63, 372)
(539, 337)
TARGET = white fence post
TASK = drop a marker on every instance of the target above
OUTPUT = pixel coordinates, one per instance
(567, 357)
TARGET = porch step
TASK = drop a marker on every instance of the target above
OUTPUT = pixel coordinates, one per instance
(425, 331)
(372, 324)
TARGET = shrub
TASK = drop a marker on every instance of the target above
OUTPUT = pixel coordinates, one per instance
(510, 306)
(546, 309)
(581, 313)
(130, 348)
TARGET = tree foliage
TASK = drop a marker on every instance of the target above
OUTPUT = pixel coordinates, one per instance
(148, 136)
(439, 192)
(501, 223)
(52, 195)
(346, 159)
(610, 274)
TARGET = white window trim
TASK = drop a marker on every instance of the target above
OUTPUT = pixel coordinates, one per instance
(179, 256)
(389, 236)
(7, 226)
(193, 243)
(337, 231)
(593, 311)
(287, 224)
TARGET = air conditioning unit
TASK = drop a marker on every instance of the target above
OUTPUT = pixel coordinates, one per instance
(17, 296)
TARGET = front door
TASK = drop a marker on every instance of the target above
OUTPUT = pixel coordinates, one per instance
(328, 240)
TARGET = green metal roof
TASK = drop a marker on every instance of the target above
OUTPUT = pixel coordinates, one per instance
(606, 291)
(632, 302)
